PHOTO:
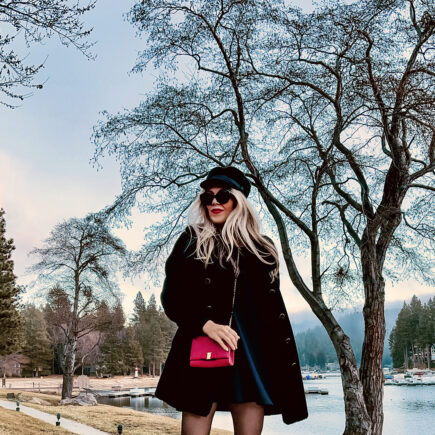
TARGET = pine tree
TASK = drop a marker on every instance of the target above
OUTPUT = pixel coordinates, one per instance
(112, 350)
(133, 356)
(401, 338)
(38, 346)
(413, 334)
(139, 310)
(111, 354)
(10, 320)
(426, 332)
(141, 325)
(414, 319)
(152, 305)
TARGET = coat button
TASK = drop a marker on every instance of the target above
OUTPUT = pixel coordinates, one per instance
(293, 364)
(272, 291)
(281, 316)
(288, 340)
(209, 307)
(207, 281)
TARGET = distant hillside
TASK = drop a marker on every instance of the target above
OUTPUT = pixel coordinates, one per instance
(314, 344)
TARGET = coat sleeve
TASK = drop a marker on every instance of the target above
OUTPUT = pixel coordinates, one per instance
(177, 296)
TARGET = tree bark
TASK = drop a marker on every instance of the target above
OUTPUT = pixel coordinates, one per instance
(357, 418)
(371, 372)
(71, 346)
(68, 374)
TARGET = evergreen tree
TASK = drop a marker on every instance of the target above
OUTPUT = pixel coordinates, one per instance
(414, 320)
(112, 350)
(400, 338)
(413, 334)
(153, 331)
(152, 305)
(139, 310)
(132, 351)
(10, 320)
(321, 360)
(313, 344)
(426, 332)
(112, 359)
(38, 346)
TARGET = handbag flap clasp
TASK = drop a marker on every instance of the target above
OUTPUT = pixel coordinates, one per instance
(208, 355)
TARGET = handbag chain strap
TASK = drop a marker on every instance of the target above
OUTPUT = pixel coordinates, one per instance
(236, 275)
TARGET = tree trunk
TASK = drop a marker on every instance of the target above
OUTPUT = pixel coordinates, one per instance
(68, 374)
(405, 357)
(71, 346)
(371, 373)
(428, 353)
(413, 355)
(357, 418)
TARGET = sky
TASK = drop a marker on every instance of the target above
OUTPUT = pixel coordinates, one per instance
(45, 148)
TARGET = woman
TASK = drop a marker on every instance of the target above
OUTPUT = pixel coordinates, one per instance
(223, 239)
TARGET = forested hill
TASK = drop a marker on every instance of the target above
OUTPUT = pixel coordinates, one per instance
(314, 345)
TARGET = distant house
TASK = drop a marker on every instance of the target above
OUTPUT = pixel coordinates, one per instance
(13, 364)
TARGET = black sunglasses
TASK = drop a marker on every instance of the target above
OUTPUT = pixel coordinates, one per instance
(222, 197)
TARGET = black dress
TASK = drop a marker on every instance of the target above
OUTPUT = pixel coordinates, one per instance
(241, 382)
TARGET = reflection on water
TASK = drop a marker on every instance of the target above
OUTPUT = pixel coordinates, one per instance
(408, 410)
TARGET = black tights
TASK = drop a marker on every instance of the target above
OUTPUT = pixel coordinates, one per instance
(247, 420)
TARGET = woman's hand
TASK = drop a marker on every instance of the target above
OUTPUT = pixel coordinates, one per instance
(220, 333)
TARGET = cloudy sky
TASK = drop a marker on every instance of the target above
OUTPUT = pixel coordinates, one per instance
(45, 148)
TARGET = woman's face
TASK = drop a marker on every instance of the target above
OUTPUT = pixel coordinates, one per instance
(218, 213)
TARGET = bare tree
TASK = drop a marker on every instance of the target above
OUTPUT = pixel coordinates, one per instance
(34, 21)
(80, 258)
(329, 115)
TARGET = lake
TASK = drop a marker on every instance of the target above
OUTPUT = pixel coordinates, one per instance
(407, 409)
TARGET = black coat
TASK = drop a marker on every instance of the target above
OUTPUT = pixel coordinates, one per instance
(262, 320)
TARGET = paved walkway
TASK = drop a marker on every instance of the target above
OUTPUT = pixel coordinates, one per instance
(71, 425)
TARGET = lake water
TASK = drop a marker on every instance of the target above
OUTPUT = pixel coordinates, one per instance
(407, 410)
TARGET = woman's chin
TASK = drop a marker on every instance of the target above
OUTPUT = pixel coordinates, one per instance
(217, 220)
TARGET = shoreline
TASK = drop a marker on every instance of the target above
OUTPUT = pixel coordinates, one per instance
(103, 417)
(54, 383)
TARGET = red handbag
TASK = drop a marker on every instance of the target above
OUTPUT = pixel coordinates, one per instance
(206, 352)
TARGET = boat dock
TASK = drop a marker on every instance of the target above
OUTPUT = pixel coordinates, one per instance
(132, 392)
(316, 390)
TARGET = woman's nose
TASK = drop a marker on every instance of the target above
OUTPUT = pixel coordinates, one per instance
(214, 201)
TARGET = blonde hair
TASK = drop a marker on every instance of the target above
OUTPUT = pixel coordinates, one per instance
(241, 229)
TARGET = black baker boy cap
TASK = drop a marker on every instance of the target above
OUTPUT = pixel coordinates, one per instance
(228, 176)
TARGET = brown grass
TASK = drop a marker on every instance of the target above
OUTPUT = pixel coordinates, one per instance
(13, 423)
(26, 396)
(107, 418)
